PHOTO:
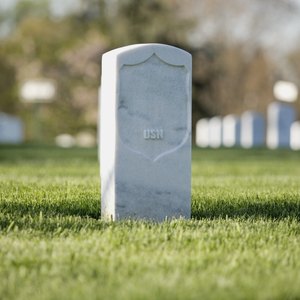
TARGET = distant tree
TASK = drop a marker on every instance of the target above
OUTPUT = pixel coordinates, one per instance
(126, 22)
(34, 51)
(229, 80)
(233, 68)
(138, 21)
(69, 51)
(294, 63)
(8, 87)
(23, 9)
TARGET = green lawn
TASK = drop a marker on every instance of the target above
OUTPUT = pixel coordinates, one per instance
(243, 241)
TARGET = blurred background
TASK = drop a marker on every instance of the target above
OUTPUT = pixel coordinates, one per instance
(51, 51)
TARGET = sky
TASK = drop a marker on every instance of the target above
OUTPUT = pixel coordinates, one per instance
(274, 25)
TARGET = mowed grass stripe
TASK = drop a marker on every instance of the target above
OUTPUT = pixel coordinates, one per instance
(208, 258)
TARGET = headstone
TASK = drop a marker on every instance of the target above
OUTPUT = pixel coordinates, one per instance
(281, 116)
(215, 132)
(65, 140)
(295, 136)
(252, 130)
(202, 133)
(145, 157)
(85, 139)
(11, 129)
(231, 131)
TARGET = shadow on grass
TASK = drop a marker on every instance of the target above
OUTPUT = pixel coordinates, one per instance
(76, 209)
(50, 217)
(267, 210)
(216, 210)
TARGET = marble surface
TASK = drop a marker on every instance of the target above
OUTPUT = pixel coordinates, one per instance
(280, 116)
(145, 135)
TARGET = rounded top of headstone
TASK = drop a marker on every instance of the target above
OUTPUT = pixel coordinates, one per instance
(250, 113)
(252, 116)
(203, 121)
(216, 119)
(230, 120)
(230, 117)
(141, 52)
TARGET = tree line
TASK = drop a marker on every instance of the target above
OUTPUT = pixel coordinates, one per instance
(227, 78)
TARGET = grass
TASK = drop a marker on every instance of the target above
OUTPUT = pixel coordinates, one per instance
(243, 241)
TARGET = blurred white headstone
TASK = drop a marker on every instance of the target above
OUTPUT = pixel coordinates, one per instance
(295, 136)
(39, 90)
(11, 129)
(202, 133)
(65, 140)
(231, 131)
(281, 116)
(215, 132)
(252, 130)
(285, 91)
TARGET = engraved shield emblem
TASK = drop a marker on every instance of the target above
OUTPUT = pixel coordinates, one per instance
(153, 116)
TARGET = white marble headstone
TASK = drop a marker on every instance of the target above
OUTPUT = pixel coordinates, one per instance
(231, 131)
(145, 139)
(281, 116)
(215, 132)
(252, 130)
(11, 129)
(202, 133)
(295, 136)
